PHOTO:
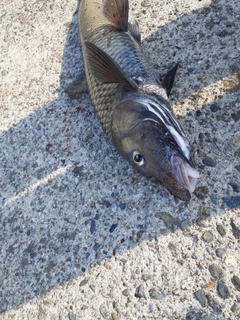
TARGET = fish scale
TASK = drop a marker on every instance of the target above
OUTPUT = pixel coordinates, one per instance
(132, 107)
(123, 49)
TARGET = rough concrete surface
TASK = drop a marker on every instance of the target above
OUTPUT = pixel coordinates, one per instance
(83, 236)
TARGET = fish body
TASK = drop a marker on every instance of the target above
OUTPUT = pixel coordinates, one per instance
(133, 108)
(121, 47)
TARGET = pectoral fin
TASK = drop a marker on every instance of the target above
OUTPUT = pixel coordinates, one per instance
(116, 12)
(168, 80)
(104, 68)
(78, 86)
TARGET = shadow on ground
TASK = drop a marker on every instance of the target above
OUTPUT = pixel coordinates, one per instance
(69, 201)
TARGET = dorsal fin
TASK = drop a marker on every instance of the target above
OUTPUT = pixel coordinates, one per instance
(104, 68)
(168, 80)
(133, 28)
(116, 12)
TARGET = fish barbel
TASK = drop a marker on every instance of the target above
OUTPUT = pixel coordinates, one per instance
(132, 107)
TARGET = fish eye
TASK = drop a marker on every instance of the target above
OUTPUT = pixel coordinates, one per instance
(137, 158)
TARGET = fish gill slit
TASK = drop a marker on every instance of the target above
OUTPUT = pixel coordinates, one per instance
(172, 125)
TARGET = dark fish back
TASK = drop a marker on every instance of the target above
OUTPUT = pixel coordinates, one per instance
(127, 53)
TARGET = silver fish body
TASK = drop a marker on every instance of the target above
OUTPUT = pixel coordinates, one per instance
(133, 109)
(121, 47)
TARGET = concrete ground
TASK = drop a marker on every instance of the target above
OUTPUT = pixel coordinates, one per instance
(83, 236)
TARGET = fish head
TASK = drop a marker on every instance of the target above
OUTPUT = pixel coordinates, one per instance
(158, 152)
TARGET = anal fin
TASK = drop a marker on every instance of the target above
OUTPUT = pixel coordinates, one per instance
(116, 12)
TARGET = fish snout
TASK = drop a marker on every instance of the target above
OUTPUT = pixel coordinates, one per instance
(186, 174)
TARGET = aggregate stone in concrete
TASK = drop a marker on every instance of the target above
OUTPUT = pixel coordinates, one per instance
(78, 226)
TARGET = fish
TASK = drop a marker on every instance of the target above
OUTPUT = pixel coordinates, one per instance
(132, 105)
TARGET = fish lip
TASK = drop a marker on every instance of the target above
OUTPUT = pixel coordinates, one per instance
(186, 174)
(179, 192)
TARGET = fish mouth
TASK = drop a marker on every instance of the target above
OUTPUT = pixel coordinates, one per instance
(186, 175)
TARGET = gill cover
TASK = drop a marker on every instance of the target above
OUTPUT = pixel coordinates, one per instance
(137, 131)
(125, 117)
